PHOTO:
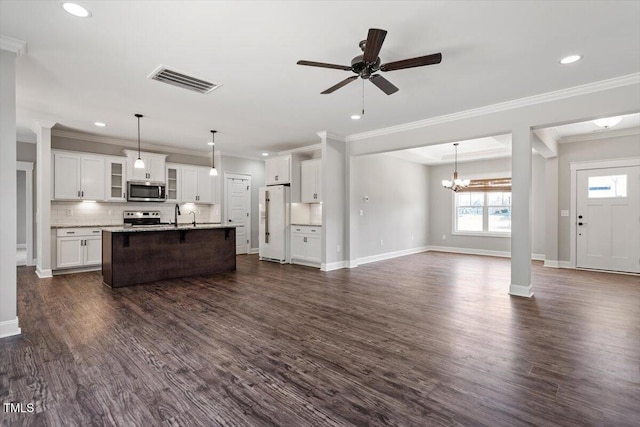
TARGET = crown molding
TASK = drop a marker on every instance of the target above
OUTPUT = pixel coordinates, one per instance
(627, 80)
(16, 46)
(304, 149)
(324, 135)
(128, 143)
(604, 134)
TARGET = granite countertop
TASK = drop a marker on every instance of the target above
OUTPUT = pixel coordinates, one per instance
(308, 225)
(110, 226)
(166, 227)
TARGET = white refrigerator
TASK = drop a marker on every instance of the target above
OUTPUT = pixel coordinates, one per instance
(274, 207)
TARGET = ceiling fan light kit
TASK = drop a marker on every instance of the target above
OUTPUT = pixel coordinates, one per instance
(456, 183)
(366, 65)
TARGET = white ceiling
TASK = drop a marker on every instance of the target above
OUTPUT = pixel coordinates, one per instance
(78, 71)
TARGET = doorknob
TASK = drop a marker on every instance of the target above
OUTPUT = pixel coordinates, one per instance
(229, 220)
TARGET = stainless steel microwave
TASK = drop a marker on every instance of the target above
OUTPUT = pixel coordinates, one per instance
(146, 191)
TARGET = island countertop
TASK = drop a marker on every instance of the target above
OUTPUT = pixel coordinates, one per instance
(165, 227)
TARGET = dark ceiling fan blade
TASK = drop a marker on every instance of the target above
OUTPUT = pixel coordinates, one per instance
(339, 85)
(413, 62)
(375, 38)
(325, 65)
(383, 84)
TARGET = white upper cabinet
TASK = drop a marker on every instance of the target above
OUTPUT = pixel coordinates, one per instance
(196, 185)
(154, 166)
(173, 180)
(278, 170)
(311, 183)
(78, 176)
(116, 179)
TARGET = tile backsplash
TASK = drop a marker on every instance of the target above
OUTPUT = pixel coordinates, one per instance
(83, 213)
(306, 213)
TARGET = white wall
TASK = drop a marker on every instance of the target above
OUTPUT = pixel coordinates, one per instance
(8, 281)
(397, 211)
(601, 149)
(21, 208)
(242, 166)
(441, 205)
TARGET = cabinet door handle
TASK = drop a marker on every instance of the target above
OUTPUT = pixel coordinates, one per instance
(78, 193)
(82, 193)
(305, 240)
(71, 232)
(276, 177)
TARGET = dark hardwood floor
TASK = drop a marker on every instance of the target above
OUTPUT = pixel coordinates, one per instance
(426, 339)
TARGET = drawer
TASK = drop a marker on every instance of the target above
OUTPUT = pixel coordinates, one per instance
(304, 229)
(83, 231)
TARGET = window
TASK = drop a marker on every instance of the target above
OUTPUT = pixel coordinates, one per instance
(484, 207)
(607, 186)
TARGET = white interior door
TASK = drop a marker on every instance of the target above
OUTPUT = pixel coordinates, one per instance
(608, 219)
(238, 207)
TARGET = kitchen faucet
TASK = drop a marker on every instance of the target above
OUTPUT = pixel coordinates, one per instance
(176, 212)
(194, 218)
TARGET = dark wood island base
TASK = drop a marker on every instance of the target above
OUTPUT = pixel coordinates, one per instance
(134, 256)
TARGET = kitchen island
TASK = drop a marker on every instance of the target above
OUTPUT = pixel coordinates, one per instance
(135, 255)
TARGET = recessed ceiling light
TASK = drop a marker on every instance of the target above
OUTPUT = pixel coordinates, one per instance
(76, 10)
(570, 59)
(265, 154)
(355, 117)
(100, 124)
(608, 122)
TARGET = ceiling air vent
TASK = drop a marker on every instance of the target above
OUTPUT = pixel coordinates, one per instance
(176, 78)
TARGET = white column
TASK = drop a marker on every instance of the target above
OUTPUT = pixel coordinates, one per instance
(352, 215)
(43, 197)
(8, 218)
(551, 218)
(521, 196)
(334, 203)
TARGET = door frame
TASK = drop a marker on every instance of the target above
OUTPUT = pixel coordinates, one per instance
(573, 207)
(225, 217)
(27, 168)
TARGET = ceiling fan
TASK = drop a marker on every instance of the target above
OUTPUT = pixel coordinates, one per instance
(368, 63)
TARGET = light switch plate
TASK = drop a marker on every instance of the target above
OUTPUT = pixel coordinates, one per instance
(564, 212)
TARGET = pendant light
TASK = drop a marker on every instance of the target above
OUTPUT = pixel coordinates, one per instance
(213, 171)
(456, 184)
(139, 164)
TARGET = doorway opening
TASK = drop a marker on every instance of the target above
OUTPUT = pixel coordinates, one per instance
(24, 214)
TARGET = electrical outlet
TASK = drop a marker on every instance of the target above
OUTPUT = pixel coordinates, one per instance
(338, 249)
(444, 237)
(381, 242)
(412, 237)
(110, 211)
(361, 212)
(69, 212)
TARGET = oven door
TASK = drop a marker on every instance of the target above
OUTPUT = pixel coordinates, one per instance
(145, 191)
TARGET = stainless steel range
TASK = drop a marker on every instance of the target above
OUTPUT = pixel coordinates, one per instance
(141, 218)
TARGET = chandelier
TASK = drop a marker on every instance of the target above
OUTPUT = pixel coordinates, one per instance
(456, 184)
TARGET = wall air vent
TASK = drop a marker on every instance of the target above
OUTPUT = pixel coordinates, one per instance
(176, 78)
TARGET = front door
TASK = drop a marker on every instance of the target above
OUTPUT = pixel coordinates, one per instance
(608, 219)
(238, 207)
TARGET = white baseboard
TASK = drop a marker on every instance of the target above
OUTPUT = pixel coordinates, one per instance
(520, 291)
(253, 251)
(21, 246)
(351, 264)
(552, 263)
(9, 328)
(305, 263)
(389, 255)
(333, 266)
(482, 252)
(469, 251)
(43, 273)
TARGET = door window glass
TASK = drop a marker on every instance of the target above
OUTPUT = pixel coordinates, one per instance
(607, 186)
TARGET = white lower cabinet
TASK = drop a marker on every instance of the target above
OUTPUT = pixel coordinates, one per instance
(306, 245)
(78, 247)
